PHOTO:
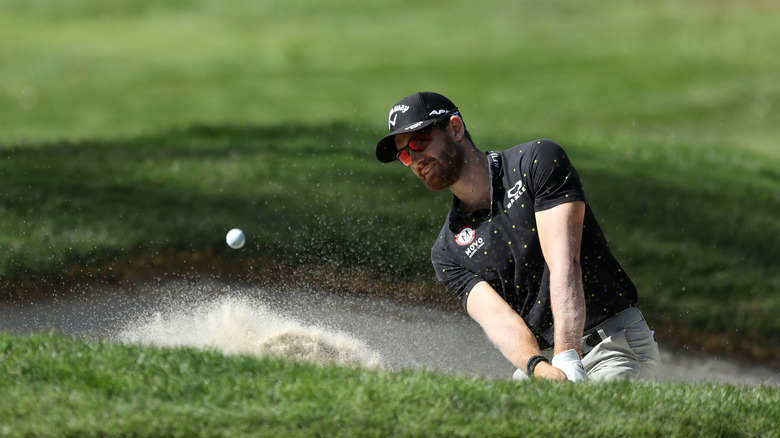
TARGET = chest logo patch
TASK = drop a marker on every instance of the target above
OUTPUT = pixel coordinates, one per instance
(514, 193)
(465, 236)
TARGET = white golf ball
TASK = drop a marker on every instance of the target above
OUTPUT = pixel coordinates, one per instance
(235, 238)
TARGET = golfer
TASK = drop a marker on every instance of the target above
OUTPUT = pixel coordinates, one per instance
(522, 249)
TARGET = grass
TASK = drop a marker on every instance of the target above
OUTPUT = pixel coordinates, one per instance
(695, 71)
(61, 386)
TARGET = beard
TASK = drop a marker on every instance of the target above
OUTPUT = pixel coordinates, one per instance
(448, 166)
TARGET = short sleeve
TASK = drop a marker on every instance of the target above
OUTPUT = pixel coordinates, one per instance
(552, 178)
(456, 278)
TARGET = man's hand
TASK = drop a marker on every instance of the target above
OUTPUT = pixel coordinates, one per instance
(570, 364)
(548, 372)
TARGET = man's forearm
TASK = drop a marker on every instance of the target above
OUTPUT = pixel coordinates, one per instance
(505, 328)
(568, 306)
(560, 235)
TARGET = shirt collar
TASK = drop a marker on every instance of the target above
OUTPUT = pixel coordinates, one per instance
(496, 169)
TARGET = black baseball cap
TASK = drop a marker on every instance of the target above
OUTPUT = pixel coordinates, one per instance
(410, 114)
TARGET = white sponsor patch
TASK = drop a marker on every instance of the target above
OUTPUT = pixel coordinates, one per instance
(465, 236)
(475, 245)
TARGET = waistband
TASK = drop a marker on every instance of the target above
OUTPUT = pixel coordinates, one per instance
(624, 319)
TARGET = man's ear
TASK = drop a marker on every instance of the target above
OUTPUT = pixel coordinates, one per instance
(458, 127)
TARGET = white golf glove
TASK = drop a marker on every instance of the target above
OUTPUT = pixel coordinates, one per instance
(569, 362)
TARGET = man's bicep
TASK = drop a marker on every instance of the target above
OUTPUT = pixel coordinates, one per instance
(480, 299)
(485, 304)
(560, 232)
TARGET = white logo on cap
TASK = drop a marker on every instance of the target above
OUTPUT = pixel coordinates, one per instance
(393, 117)
(437, 112)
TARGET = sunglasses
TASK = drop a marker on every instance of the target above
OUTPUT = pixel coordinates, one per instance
(419, 141)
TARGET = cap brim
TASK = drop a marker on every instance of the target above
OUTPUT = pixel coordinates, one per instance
(385, 148)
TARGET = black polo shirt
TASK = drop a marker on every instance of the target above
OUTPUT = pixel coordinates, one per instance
(501, 245)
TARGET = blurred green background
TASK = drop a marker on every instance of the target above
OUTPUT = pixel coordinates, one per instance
(133, 135)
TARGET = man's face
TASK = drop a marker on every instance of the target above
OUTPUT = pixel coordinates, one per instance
(439, 165)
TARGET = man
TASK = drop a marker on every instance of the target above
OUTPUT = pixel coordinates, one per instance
(522, 249)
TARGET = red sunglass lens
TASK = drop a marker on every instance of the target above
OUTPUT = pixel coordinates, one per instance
(420, 141)
(405, 158)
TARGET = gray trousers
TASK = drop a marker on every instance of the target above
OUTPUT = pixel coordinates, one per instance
(622, 348)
